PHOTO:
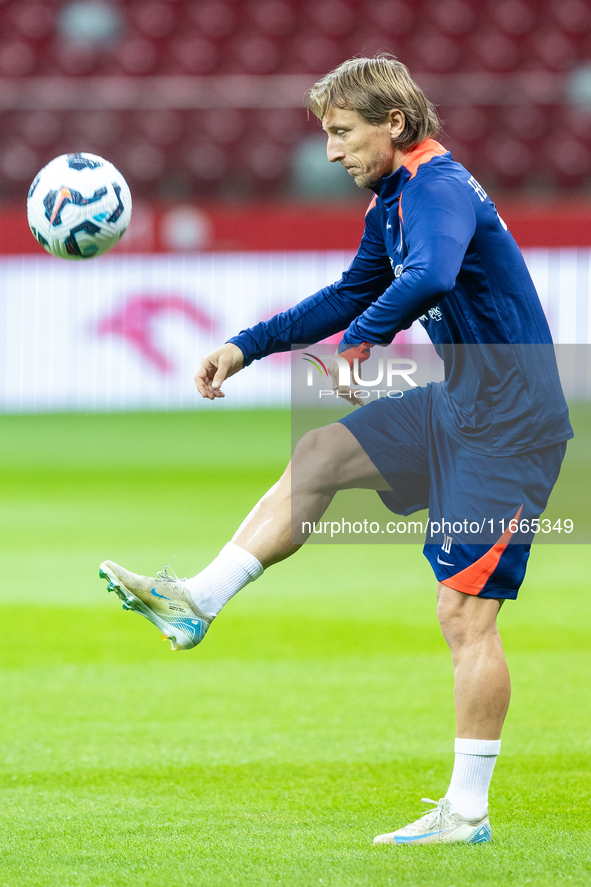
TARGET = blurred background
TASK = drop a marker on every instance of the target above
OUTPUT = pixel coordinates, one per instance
(237, 213)
(120, 760)
(203, 99)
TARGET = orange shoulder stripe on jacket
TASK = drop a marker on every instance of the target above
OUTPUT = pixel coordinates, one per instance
(473, 579)
(372, 203)
(422, 154)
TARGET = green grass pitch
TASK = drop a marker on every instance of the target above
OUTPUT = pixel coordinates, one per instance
(316, 714)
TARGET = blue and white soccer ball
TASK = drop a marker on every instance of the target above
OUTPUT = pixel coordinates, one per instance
(79, 206)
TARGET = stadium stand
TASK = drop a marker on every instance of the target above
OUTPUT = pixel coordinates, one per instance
(203, 99)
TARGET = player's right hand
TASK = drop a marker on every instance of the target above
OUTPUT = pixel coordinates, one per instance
(217, 366)
(342, 390)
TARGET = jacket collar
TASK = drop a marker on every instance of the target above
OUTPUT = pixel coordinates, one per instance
(388, 188)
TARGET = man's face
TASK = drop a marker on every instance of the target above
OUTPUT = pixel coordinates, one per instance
(366, 151)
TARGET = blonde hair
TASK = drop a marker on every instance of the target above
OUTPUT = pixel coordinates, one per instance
(373, 87)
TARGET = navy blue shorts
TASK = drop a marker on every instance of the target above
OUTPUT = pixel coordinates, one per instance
(481, 508)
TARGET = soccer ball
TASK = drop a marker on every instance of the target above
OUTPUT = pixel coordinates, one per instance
(79, 206)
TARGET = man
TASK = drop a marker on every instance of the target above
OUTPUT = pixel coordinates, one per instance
(486, 443)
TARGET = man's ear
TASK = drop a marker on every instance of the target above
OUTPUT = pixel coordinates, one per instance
(397, 121)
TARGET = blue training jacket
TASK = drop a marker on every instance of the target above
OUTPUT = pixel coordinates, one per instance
(435, 249)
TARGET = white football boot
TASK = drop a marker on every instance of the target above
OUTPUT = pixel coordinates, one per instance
(440, 826)
(165, 601)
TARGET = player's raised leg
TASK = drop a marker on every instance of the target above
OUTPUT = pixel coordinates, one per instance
(326, 460)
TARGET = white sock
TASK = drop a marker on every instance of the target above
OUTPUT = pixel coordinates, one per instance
(473, 769)
(230, 571)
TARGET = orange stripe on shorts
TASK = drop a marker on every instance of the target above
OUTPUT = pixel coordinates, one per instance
(473, 579)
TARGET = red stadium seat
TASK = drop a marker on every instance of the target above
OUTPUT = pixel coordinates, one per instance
(315, 53)
(256, 54)
(154, 19)
(195, 54)
(367, 42)
(511, 160)
(214, 19)
(272, 17)
(146, 161)
(33, 20)
(96, 131)
(452, 16)
(390, 17)
(465, 123)
(223, 126)
(569, 161)
(572, 16)
(514, 17)
(436, 52)
(19, 163)
(136, 56)
(334, 18)
(266, 161)
(553, 50)
(282, 125)
(573, 121)
(75, 59)
(162, 128)
(491, 50)
(527, 122)
(208, 163)
(38, 128)
(460, 150)
(17, 58)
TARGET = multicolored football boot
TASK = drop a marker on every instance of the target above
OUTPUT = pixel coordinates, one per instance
(440, 826)
(164, 601)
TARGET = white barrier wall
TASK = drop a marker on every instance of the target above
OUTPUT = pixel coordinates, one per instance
(127, 332)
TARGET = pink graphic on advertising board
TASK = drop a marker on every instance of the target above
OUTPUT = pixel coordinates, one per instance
(134, 322)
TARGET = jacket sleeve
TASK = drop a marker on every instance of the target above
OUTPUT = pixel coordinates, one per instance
(330, 309)
(438, 223)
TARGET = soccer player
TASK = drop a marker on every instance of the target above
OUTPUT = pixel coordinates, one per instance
(486, 443)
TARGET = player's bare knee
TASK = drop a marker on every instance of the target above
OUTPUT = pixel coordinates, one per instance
(465, 620)
(453, 623)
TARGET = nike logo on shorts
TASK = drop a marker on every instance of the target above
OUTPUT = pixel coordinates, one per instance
(445, 563)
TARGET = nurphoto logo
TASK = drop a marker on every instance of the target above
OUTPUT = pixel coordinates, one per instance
(386, 371)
